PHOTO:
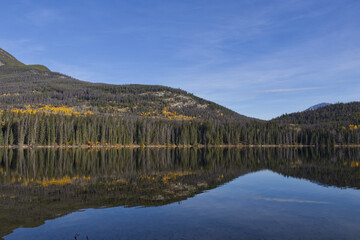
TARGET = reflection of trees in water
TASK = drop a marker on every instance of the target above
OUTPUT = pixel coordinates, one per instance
(41, 184)
(129, 163)
(62, 167)
(77, 179)
(337, 167)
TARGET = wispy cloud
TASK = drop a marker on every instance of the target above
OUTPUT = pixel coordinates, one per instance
(261, 60)
(288, 90)
(290, 200)
(40, 16)
(22, 49)
(78, 72)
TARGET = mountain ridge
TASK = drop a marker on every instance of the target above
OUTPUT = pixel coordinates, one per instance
(39, 107)
(36, 86)
(334, 114)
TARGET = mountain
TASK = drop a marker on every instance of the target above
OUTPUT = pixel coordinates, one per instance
(45, 108)
(36, 88)
(320, 105)
(334, 114)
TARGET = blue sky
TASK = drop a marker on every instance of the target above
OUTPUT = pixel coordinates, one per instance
(259, 58)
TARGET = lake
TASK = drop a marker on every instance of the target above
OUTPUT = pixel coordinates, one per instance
(216, 193)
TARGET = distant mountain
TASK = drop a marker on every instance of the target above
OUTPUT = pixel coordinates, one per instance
(320, 105)
(333, 114)
(32, 87)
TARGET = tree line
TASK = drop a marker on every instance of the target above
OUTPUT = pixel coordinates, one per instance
(55, 129)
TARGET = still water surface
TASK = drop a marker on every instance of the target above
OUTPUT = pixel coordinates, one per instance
(180, 194)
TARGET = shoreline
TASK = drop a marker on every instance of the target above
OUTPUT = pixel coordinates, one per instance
(175, 146)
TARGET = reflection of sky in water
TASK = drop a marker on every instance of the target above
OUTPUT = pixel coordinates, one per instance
(258, 205)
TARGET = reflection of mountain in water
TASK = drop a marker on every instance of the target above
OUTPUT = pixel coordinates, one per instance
(37, 185)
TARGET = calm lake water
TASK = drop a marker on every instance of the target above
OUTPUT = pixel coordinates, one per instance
(180, 194)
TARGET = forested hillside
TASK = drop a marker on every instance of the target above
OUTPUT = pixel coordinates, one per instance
(339, 114)
(33, 87)
(40, 107)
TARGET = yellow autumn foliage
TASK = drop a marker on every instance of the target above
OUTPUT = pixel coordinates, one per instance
(47, 182)
(353, 127)
(49, 109)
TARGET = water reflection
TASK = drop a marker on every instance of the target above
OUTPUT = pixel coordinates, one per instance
(42, 184)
